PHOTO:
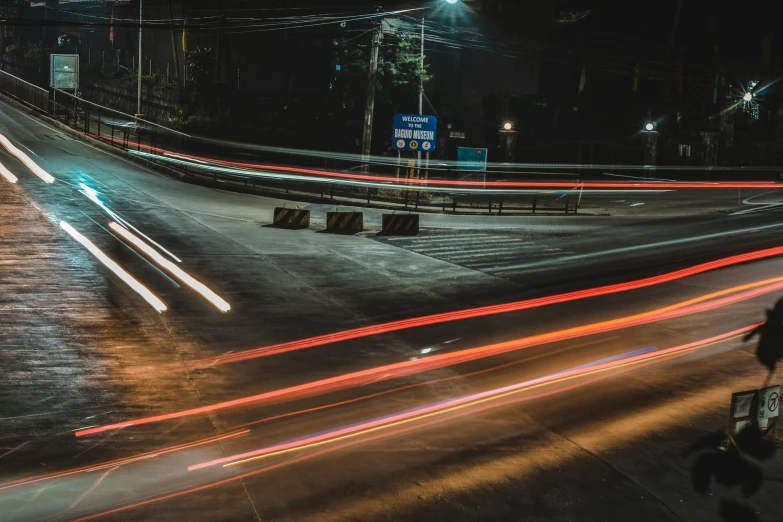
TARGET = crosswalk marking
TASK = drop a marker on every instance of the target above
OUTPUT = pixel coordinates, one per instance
(432, 238)
(482, 254)
(498, 263)
(459, 239)
(480, 251)
(463, 249)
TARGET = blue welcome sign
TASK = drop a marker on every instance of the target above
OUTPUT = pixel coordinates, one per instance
(414, 132)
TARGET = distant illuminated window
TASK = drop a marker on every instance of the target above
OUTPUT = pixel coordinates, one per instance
(751, 106)
(685, 150)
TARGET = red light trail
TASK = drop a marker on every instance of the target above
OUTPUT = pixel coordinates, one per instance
(621, 365)
(462, 183)
(447, 406)
(516, 306)
(409, 367)
(119, 462)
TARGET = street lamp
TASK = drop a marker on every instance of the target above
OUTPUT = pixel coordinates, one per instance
(421, 73)
(747, 96)
(649, 127)
(421, 79)
(508, 126)
(138, 87)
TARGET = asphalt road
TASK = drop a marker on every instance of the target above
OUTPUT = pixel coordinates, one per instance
(373, 439)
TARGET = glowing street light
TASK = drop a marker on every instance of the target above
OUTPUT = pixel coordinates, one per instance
(506, 126)
(747, 96)
(421, 78)
(649, 127)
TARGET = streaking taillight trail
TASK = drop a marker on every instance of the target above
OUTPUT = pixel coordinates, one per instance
(459, 315)
(401, 369)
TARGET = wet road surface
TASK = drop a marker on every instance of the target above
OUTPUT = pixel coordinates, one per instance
(80, 349)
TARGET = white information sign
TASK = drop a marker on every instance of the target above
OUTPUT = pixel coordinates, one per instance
(769, 402)
(64, 71)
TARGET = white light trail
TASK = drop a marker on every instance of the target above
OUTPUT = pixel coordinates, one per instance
(92, 194)
(7, 174)
(24, 158)
(411, 188)
(139, 288)
(176, 271)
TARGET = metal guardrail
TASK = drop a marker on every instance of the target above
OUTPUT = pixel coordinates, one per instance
(25, 92)
(129, 133)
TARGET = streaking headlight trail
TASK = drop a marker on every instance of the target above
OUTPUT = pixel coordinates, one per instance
(128, 279)
(415, 366)
(436, 184)
(24, 158)
(92, 195)
(176, 271)
(7, 174)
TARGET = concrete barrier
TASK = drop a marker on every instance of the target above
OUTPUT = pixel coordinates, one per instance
(344, 222)
(295, 218)
(400, 224)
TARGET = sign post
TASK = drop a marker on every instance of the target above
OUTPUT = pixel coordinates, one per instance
(769, 405)
(63, 74)
(755, 406)
(414, 132)
(64, 71)
(741, 413)
(472, 160)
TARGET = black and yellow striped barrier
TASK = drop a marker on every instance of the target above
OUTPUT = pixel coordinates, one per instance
(294, 218)
(344, 222)
(400, 224)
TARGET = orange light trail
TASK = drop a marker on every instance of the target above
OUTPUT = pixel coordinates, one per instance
(460, 183)
(459, 315)
(372, 438)
(120, 462)
(409, 367)
(420, 384)
(451, 405)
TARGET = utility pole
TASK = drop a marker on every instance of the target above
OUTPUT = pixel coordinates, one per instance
(421, 75)
(141, 64)
(421, 85)
(370, 105)
(174, 51)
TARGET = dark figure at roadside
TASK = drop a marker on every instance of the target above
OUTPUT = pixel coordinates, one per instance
(770, 348)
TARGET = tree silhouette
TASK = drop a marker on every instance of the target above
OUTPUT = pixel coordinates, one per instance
(731, 467)
(770, 347)
(737, 463)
